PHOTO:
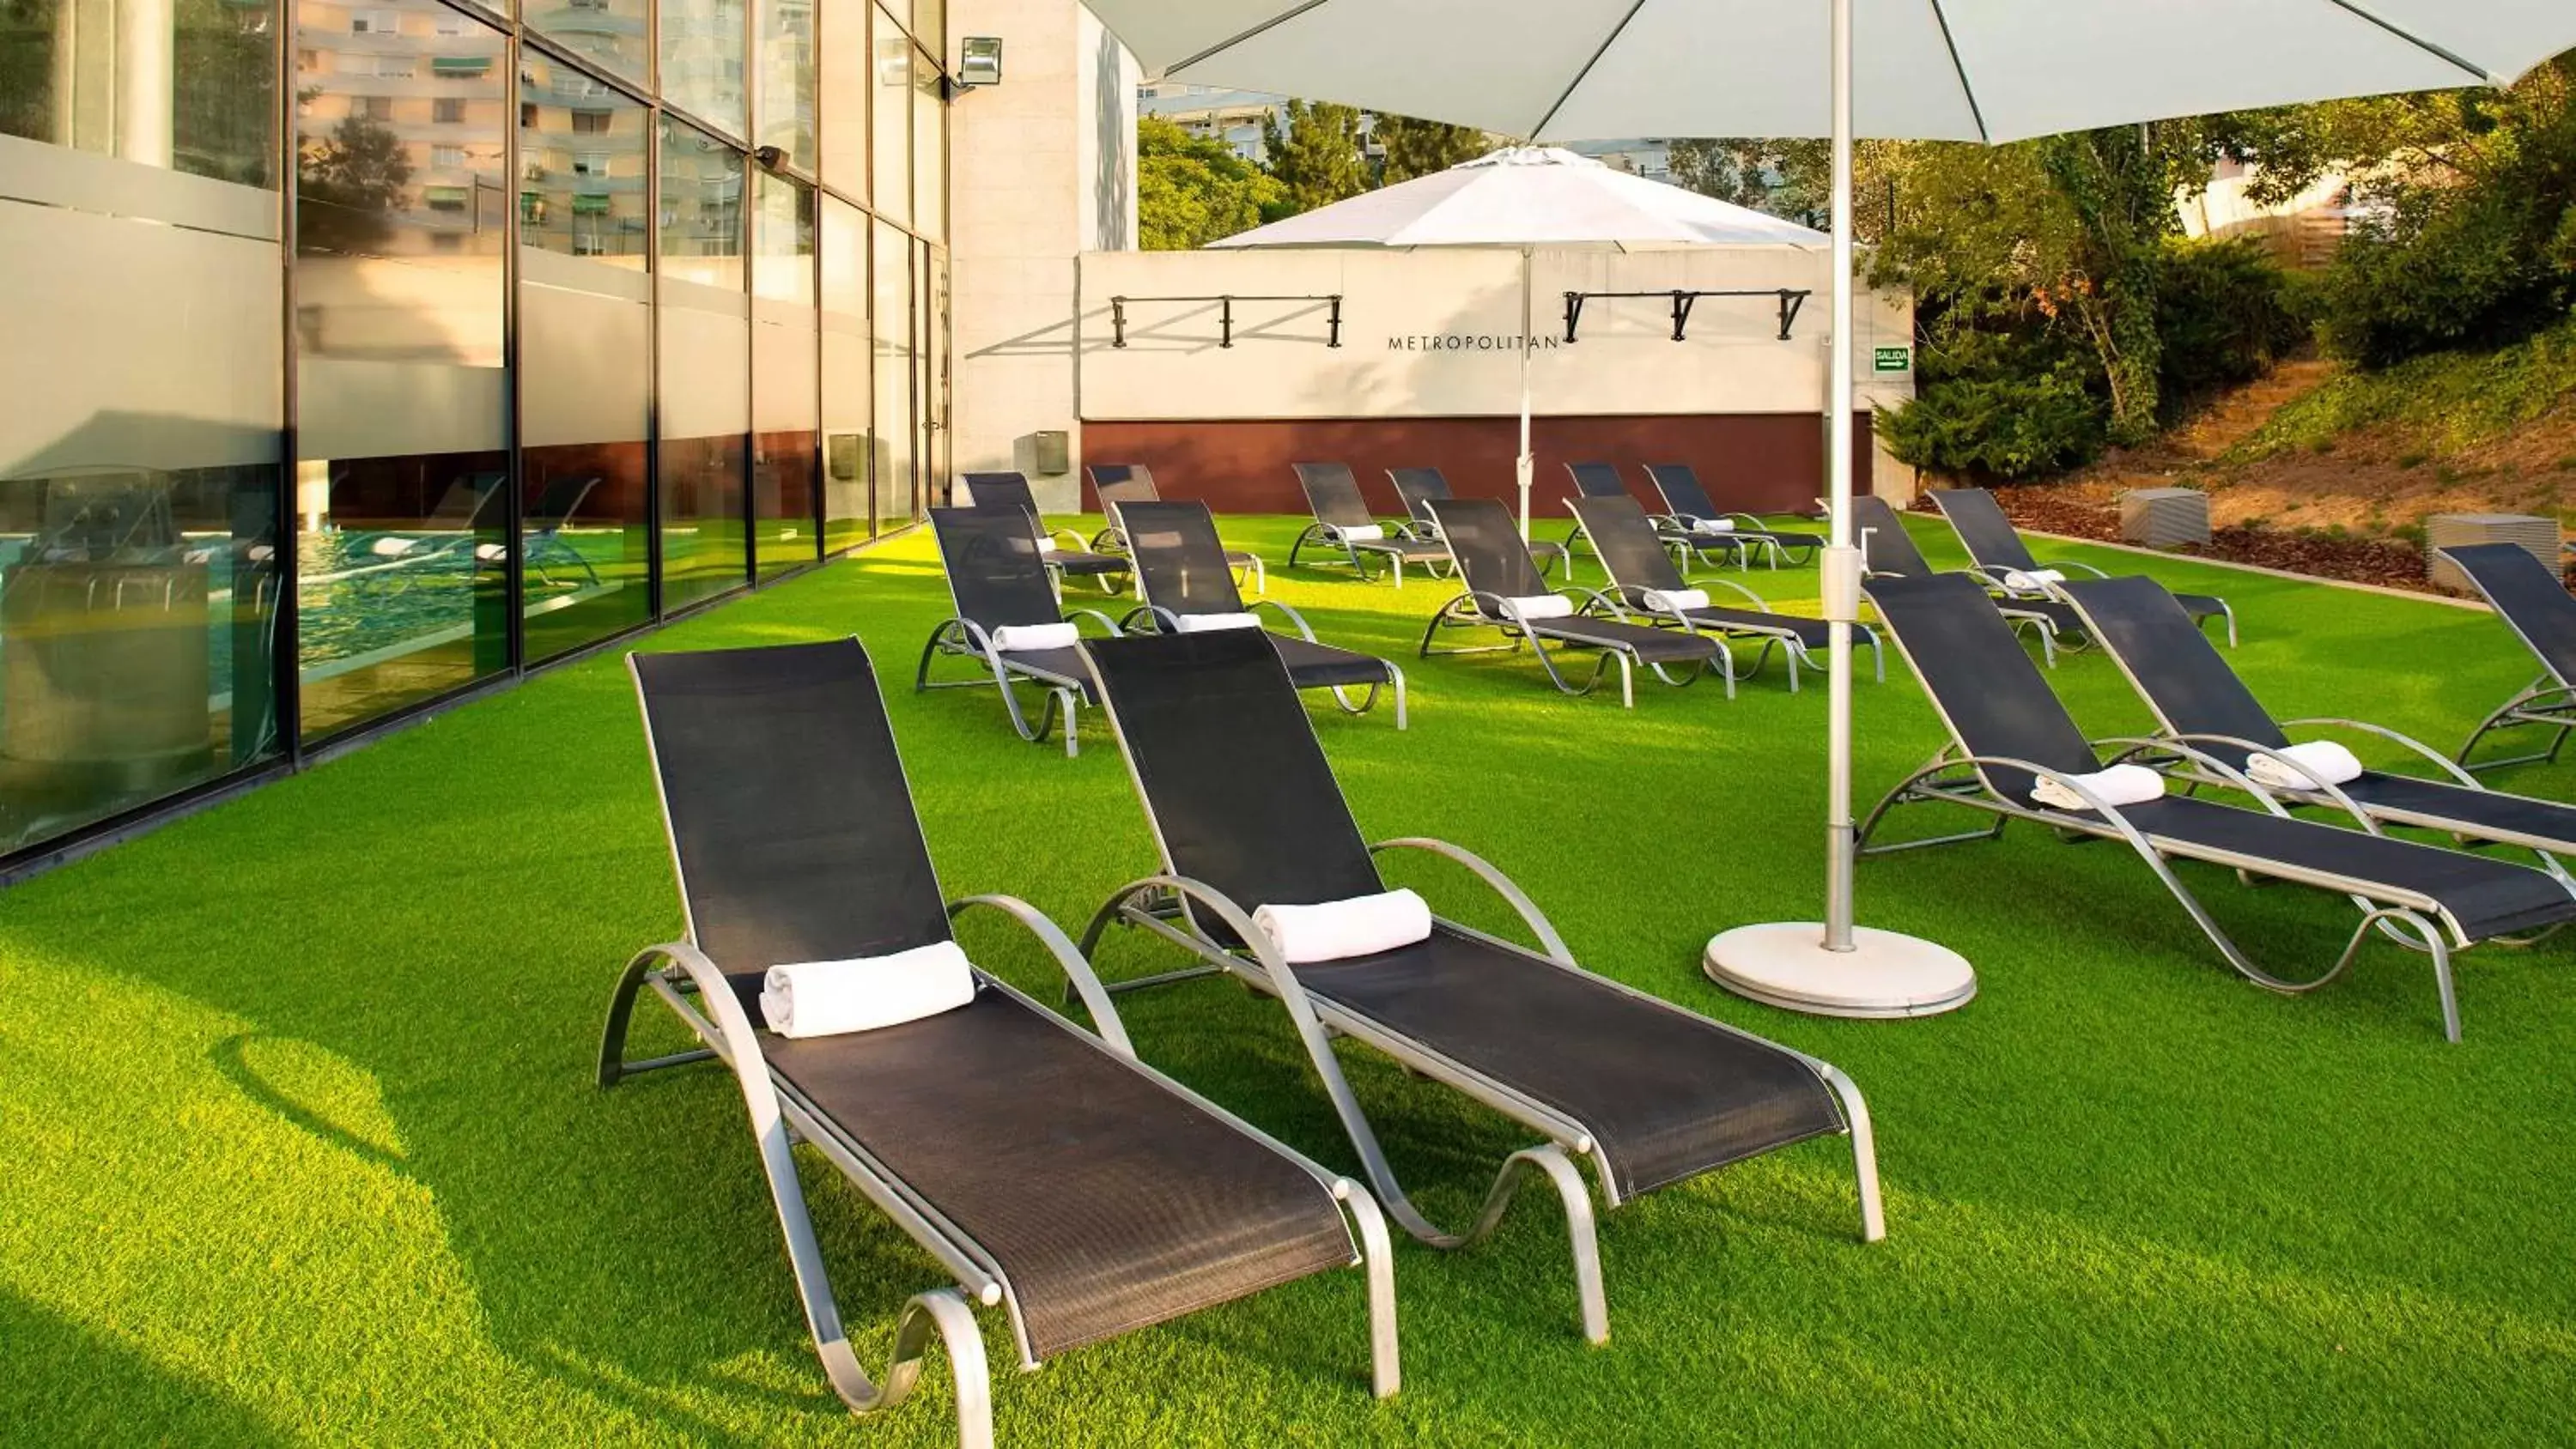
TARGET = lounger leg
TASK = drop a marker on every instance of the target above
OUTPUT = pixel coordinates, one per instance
(1065, 705)
(1398, 676)
(1377, 1259)
(1873, 1217)
(1627, 682)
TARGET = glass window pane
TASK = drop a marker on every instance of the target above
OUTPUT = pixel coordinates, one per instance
(610, 32)
(892, 120)
(784, 531)
(930, 25)
(702, 60)
(787, 80)
(894, 422)
(929, 147)
(584, 333)
(706, 364)
(845, 375)
(402, 212)
(186, 84)
(844, 97)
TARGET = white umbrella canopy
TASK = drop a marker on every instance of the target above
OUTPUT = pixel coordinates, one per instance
(1963, 70)
(1524, 198)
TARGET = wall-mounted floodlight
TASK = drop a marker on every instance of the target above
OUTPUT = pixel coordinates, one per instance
(979, 63)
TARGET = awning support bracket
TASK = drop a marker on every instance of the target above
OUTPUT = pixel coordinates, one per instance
(1225, 314)
(1791, 299)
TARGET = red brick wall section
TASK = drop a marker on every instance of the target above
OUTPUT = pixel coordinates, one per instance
(1759, 462)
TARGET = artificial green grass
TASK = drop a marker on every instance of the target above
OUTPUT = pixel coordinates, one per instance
(298, 1141)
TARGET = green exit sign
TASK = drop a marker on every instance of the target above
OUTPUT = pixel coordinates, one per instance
(1895, 359)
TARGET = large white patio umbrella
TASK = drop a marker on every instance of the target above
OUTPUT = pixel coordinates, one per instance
(1971, 70)
(1524, 198)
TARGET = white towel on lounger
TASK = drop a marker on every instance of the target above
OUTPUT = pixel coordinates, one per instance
(1046, 548)
(827, 998)
(1338, 930)
(2116, 786)
(1543, 606)
(2032, 581)
(1202, 623)
(1676, 600)
(1362, 533)
(2323, 758)
(1712, 525)
(1018, 638)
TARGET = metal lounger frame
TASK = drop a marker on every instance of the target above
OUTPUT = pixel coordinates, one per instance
(1793, 648)
(2548, 701)
(1476, 609)
(1165, 621)
(1993, 575)
(963, 638)
(2041, 626)
(1391, 548)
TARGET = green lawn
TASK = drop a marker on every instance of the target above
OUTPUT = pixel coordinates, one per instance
(298, 1141)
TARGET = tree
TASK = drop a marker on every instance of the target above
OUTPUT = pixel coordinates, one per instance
(1418, 148)
(346, 185)
(1191, 190)
(1792, 179)
(1314, 155)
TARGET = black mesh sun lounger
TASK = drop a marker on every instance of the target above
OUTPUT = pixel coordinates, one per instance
(2008, 731)
(2534, 603)
(1117, 483)
(995, 490)
(1888, 551)
(998, 580)
(2199, 700)
(1640, 565)
(1602, 480)
(1685, 500)
(1343, 522)
(1180, 566)
(1246, 813)
(1046, 1169)
(1421, 487)
(1995, 547)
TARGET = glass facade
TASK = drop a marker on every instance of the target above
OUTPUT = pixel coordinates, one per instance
(558, 353)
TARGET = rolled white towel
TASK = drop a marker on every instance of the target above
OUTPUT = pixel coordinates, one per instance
(1676, 600)
(2323, 758)
(1712, 525)
(392, 547)
(827, 998)
(1338, 930)
(1046, 547)
(1363, 533)
(1203, 623)
(1015, 638)
(1543, 606)
(2033, 581)
(2116, 786)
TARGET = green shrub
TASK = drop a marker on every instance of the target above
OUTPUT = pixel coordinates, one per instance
(2464, 267)
(2226, 314)
(2002, 428)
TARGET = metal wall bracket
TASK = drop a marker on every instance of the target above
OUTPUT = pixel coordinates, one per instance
(1225, 314)
(1791, 299)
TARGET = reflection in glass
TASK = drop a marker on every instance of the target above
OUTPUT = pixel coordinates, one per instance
(894, 421)
(929, 148)
(401, 219)
(934, 391)
(584, 335)
(845, 375)
(706, 365)
(844, 95)
(782, 374)
(138, 613)
(892, 120)
(610, 32)
(186, 84)
(702, 61)
(787, 80)
(930, 25)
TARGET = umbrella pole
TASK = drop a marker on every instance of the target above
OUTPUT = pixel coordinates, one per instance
(1838, 969)
(1525, 467)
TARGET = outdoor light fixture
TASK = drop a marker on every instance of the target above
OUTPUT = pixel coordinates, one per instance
(979, 63)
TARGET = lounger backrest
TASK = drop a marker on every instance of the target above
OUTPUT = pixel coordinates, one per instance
(2533, 600)
(560, 500)
(1117, 483)
(1234, 783)
(1334, 495)
(1886, 547)
(1987, 689)
(995, 572)
(1683, 497)
(2171, 662)
(1626, 541)
(1179, 561)
(1417, 487)
(1488, 547)
(1982, 528)
(790, 822)
(1598, 480)
(988, 490)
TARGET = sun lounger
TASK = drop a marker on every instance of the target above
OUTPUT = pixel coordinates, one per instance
(1602, 480)
(1420, 487)
(1643, 577)
(1180, 567)
(547, 518)
(1686, 502)
(991, 490)
(2534, 603)
(1503, 582)
(1246, 813)
(2008, 567)
(1888, 551)
(1343, 522)
(1048, 1171)
(2008, 733)
(1117, 483)
(998, 580)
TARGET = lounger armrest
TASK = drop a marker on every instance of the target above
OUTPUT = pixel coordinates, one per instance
(2119, 821)
(1106, 622)
(1295, 619)
(1068, 535)
(2063, 564)
(1585, 598)
(1750, 596)
(1086, 982)
(1513, 896)
(2187, 746)
(1159, 618)
(1237, 919)
(2448, 766)
(738, 1042)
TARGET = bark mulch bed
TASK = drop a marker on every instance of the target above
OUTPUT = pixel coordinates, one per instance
(2387, 562)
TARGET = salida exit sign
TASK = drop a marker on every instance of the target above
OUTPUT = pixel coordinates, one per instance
(1895, 359)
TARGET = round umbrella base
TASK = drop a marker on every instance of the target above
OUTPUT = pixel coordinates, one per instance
(1785, 964)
